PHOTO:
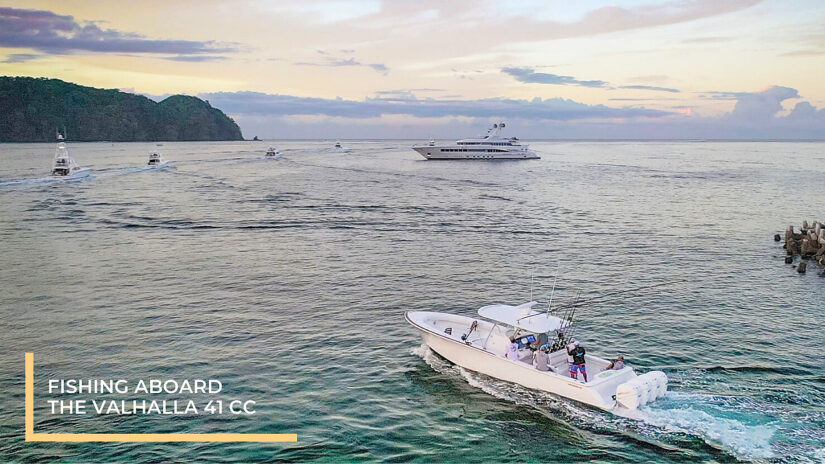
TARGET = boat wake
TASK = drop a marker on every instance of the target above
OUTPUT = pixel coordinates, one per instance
(134, 169)
(747, 434)
(671, 421)
(44, 180)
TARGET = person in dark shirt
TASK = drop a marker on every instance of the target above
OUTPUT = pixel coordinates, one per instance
(578, 364)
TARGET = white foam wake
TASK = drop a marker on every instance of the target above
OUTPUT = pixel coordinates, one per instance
(737, 432)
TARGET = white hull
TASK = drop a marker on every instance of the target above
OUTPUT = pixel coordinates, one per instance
(447, 153)
(76, 174)
(599, 391)
(158, 165)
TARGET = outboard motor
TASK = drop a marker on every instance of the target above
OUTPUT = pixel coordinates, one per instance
(641, 390)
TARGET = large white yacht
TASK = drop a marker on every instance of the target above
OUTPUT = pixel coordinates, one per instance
(490, 146)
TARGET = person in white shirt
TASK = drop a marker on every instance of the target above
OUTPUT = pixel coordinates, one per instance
(512, 350)
(541, 359)
(618, 364)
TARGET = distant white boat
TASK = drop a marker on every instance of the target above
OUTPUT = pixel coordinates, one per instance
(272, 152)
(490, 147)
(155, 159)
(337, 144)
(64, 166)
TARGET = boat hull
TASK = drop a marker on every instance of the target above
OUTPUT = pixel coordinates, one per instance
(437, 153)
(598, 392)
(77, 174)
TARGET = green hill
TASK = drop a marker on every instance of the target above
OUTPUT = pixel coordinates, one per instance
(32, 109)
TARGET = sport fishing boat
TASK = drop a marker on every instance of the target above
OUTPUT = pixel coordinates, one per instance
(272, 152)
(487, 346)
(64, 166)
(491, 146)
(156, 160)
(337, 144)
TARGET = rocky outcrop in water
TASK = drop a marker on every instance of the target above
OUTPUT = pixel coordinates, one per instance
(808, 244)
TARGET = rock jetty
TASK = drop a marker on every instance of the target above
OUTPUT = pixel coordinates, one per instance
(808, 244)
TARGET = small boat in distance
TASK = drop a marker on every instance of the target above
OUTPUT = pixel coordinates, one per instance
(156, 160)
(272, 152)
(490, 147)
(337, 144)
(64, 166)
(503, 347)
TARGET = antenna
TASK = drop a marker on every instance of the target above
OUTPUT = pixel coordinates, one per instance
(550, 301)
(532, 274)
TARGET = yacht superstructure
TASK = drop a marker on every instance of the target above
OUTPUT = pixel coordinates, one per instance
(491, 146)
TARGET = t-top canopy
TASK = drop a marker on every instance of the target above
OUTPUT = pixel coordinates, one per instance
(522, 316)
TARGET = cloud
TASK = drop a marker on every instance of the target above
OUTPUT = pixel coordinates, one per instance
(642, 99)
(21, 57)
(615, 18)
(650, 87)
(60, 34)
(756, 115)
(761, 106)
(707, 40)
(335, 62)
(256, 103)
(379, 67)
(651, 79)
(804, 111)
(195, 58)
(529, 76)
(804, 53)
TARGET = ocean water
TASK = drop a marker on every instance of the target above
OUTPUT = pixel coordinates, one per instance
(288, 280)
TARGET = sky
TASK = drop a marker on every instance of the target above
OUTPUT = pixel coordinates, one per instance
(328, 69)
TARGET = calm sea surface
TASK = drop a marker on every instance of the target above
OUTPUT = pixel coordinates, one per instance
(288, 280)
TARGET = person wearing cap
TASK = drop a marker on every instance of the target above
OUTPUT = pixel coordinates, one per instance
(616, 364)
(578, 364)
(541, 359)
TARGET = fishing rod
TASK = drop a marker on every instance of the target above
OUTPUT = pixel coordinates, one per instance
(578, 302)
(567, 321)
(570, 328)
(553, 291)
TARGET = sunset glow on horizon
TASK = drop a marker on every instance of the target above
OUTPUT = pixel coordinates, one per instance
(385, 69)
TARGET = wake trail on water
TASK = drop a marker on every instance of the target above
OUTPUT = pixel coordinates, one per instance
(746, 434)
(134, 169)
(43, 180)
